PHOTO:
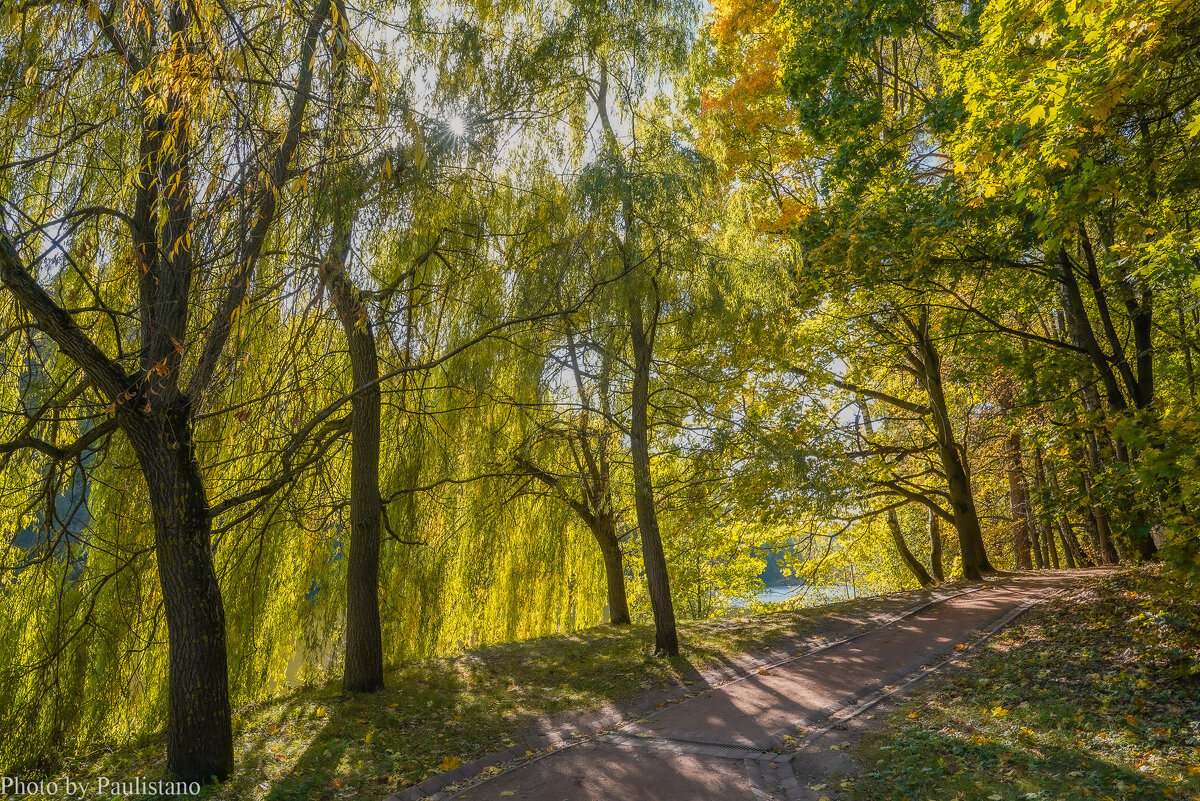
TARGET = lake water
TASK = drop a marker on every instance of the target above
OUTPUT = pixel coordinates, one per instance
(812, 596)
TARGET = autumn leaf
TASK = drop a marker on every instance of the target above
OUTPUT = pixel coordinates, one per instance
(449, 763)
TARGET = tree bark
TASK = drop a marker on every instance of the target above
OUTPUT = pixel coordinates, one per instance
(605, 531)
(966, 520)
(1185, 345)
(199, 728)
(1088, 465)
(1018, 504)
(666, 639)
(1039, 477)
(1140, 386)
(159, 427)
(1066, 532)
(1037, 544)
(1050, 551)
(363, 667)
(1079, 327)
(935, 546)
(911, 562)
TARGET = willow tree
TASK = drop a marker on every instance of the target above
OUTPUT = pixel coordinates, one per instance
(185, 223)
(605, 64)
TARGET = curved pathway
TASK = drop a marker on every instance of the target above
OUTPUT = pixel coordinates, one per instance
(746, 739)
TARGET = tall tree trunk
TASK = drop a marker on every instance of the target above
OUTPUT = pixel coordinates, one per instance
(1101, 528)
(1036, 545)
(1050, 551)
(1140, 386)
(666, 639)
(1066, 531)
(1079, 327)
(604, 528)
(962, 502)
(935, 546)
(199, 728)
(1091, 467)
(363, 668)
(1077, 556)
(911, 562)
(1185, 344)
(1039, 479)
(1018, 504)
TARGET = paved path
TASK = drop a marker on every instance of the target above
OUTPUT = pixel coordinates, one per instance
(728, 743)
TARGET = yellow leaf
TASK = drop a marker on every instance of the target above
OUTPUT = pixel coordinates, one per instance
(367, 739)
(449, 763)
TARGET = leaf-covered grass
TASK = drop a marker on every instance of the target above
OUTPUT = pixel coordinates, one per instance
(321, 743)
(1095, 695)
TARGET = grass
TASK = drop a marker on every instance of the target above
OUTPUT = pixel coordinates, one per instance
(319, 743)
(1093, 696)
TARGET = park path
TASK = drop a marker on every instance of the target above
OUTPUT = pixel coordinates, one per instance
(753, 737)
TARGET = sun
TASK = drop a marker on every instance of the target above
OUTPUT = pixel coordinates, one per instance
(458, 126)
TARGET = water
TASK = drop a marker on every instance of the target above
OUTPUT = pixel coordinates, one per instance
(812, 596)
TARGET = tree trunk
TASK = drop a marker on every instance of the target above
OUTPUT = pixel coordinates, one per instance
(1039, 477)
(935, 546)
(1043, 541)
(1082, 335)
(1076, 555)
(1037, 545)
(363, 668)
(199, 728)
(666, 639)
(1101, 528)
(966, 520)
(1140, 386)
(1051, 552)
(1018, 504)
(1185, 345)
(911, 562)
(605, 530)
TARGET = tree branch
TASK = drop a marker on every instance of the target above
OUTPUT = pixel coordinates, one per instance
(261, 213)
(106, 374)
(909, 406)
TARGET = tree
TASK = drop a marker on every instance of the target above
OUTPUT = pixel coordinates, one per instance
(151, 404)
(588, 434)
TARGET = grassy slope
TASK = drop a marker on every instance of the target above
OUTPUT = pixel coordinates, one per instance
(320, 743)
(1095, 695)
